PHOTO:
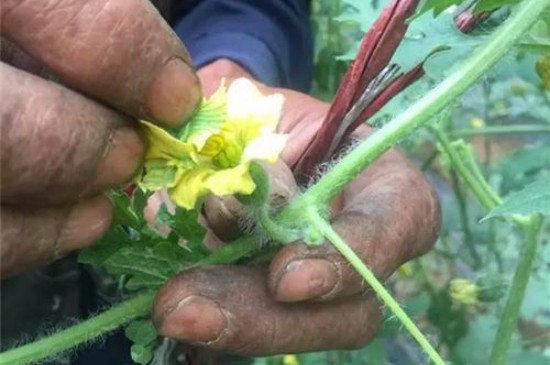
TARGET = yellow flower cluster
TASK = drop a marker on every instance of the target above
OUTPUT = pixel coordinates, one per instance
(214, 150)
(464, 292)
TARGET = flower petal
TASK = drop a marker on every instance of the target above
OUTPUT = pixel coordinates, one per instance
(191, 187)
(162, 145)
(267, 147)
(236, 180)
(246, 104)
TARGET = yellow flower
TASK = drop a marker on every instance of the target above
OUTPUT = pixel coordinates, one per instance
(477, 123)
(464, 292)
(406, 269)
(229, 131)
(290, 360)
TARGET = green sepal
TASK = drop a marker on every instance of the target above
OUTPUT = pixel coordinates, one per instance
(260, 196)
(491, 288)
(208, 118)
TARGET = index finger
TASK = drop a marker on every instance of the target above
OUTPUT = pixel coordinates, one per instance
(120, 52)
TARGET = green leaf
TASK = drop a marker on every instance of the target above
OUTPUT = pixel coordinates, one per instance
(145, 257)
(534, 198)
(488, 5)
(123, 212)
(186, 225)
(141, 354)
(107, 246)
(436, 6)
(141, 331)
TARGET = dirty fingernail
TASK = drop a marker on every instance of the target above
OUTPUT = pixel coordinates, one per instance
(307, 279)
(86, 223)
(121, 159)
(195, 319)
(173, 94)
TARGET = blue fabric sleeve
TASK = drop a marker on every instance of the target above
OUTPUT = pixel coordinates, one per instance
(270, 38)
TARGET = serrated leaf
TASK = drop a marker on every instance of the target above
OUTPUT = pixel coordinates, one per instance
(122, 208)
(141, 260)
(533, 199)
(107, 246)
(186, 225)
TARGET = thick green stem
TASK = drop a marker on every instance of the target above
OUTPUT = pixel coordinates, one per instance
(420, 113)
(80, 333)
(332, 236)
(508, 322)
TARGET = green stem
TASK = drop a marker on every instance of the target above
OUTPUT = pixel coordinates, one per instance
(465, 219)
(468, 156)
(509, 318)
(496, 130)
(80, 333)
(232, 251)
(115, 316)
(420, 113)
(325, 228)
(486, 198)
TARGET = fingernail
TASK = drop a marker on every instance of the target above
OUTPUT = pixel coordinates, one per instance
(121, 159)
(86, 222)
(173, 94)
(307, 279)
(195, 319)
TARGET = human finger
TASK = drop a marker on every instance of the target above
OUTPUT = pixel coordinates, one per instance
(57, 145)
(34, 236)
(230, 308)
(120, 52)
(390, 215)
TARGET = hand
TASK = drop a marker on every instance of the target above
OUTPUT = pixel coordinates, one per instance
(309, 298)
(63, 143)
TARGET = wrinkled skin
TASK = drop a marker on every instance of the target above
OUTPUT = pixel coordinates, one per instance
(309, 298)
(63, 143)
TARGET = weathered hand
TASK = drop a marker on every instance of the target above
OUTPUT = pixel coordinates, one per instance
(64, 142)
(309, 298)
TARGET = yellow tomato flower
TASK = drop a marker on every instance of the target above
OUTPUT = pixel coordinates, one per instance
(464, 292)
(230, 130)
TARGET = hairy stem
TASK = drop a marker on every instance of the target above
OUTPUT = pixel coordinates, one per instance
(498, 45)
(115, 316)
(80, 333)
(332, 236)
(507, 326)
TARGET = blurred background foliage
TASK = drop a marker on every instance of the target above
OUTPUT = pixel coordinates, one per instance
(456, 292)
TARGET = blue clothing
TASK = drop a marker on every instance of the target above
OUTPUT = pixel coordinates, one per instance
(270, 38)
